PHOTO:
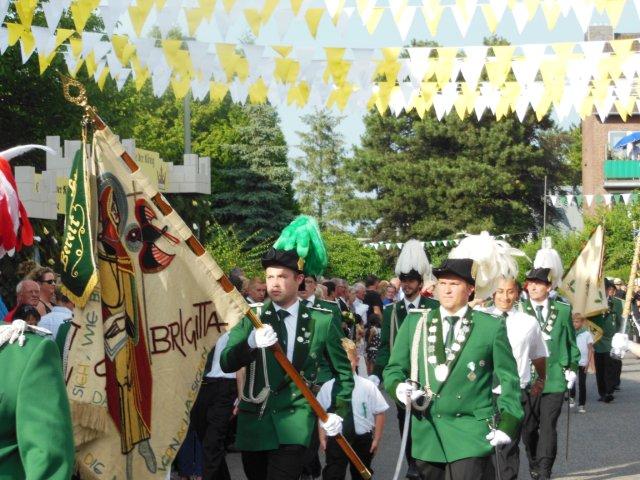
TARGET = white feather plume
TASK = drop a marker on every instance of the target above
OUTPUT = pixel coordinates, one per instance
(21, 149)
(549, 258)
(494, 260)
(413, 257)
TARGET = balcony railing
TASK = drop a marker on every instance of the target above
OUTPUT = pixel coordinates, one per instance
(621, 169)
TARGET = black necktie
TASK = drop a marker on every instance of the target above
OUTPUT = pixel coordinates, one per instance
(505, 315)
(411, 306)
(282, 334)
(452, 321)
(539, 309)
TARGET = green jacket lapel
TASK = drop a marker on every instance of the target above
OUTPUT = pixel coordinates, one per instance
(303, 337)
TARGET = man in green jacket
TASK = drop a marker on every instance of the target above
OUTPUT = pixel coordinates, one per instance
(275, 422)
(452, 354)
(36, 438)
(608, 323)
(539, 433)
(413, 269)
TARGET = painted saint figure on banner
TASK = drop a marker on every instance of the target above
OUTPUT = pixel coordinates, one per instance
(128, 369)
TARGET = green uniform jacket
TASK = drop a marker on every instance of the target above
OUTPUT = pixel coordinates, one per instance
(609, 322)
(563, 350)
(287, 417)
(324, 370)
(36, 437)
(457, 421)
(399, 310)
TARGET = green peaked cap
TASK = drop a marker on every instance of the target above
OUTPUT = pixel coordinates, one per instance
(303, 236)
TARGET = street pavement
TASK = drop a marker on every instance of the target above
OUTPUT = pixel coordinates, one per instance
(602, 440)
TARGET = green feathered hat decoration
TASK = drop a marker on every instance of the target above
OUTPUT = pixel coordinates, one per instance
(303, 236)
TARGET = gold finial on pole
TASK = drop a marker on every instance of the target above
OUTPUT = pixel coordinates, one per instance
(79, 98)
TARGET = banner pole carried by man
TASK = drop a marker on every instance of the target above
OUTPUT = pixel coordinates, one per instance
(136, 353)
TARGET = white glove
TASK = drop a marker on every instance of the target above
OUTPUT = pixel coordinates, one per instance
(620, 342)
(262, 337)
(497, 389)
(497, 438)
(375, 380)
(405, 389)
(333, 425)
(570, 377)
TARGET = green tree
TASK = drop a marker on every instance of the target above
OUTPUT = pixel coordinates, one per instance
(321, 180)
(350, 259)
(255, 193)
(230, 251)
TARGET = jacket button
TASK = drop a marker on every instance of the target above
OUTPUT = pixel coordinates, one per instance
(457, 414)
(458, 396)
(292, 410)
(439, 416)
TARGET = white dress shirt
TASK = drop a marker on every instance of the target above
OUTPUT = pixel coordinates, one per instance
(216, 371)
(445, 325)
(366, 402)
(415, 302)
(291, 323)
(309, 301)
(527, 342)
(56, 317)
(545, 308)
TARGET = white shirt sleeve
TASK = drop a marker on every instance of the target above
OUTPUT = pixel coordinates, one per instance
(379, 403)
(538, 345)
(589, 338)
(324, 395)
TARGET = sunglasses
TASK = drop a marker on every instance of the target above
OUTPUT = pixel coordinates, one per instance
(50, 282)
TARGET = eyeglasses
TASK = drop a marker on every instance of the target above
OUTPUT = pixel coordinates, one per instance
(50, 282)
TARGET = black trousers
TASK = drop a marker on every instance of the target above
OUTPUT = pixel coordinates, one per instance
(617, 371)
(211, 415)
(285, 463)
(605, 373)
(464, 469)
(582, 386)
(312, 464)
(336, 460)
(401, 414)
(509, 455)
(539, 430)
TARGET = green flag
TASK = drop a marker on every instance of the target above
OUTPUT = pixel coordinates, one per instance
(79, 274)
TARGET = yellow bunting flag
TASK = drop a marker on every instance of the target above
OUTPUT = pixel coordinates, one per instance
(15, 32)
(295, 6)
(432, 15)
(103, 78)
(254, 19)
(312, 17)
(373, 20)
(195, 16)
(122, 48)
(25, 10)
(81, 11)
(139, 14)
(268, 9)
(217, 91)
(180, 86)
(489, 17)
(258, 92)
(614, 10)
(551, 11)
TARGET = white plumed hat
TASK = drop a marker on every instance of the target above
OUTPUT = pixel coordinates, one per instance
(493, 260)
(549, 258)
(413, 261)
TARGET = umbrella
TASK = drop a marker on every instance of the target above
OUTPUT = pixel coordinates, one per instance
(631, 138)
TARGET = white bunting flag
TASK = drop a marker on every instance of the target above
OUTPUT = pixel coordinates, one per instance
(554, 199)
(588, 199)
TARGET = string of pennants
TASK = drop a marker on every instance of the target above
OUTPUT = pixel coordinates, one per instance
(571, 76)
(205, 15)
(392, 245)
(607, 199)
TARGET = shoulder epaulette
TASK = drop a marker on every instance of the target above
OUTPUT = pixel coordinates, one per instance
(320, 309)
(420, 310)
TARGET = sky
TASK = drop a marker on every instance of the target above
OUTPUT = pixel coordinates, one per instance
(386, 35)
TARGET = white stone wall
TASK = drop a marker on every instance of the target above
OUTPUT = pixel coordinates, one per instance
(192, 177)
